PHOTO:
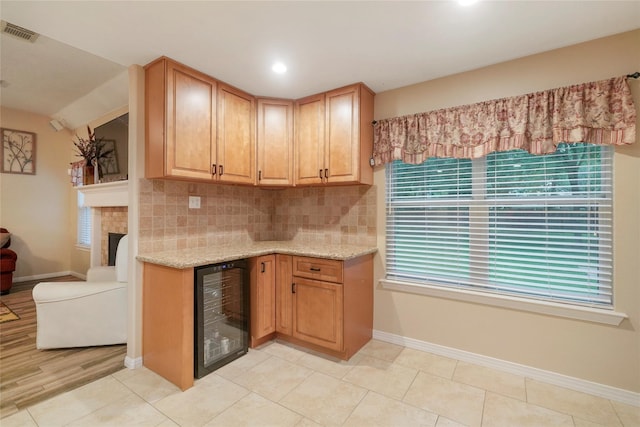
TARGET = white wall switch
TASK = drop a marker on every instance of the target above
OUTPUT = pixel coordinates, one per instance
(194, 202)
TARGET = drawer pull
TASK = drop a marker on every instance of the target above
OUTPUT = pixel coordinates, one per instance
(262, 267)
(314, 269)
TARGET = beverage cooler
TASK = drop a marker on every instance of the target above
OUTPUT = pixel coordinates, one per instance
(221, 315)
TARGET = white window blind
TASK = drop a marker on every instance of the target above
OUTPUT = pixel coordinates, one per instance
(84, 222)
(510, 223)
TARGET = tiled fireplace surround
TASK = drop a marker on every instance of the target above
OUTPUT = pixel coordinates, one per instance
(113, 220)
(238, 214)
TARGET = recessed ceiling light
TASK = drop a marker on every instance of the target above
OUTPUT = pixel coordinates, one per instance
(279, 68)
(467, 2)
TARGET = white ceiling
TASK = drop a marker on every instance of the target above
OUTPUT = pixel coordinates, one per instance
(325, 44)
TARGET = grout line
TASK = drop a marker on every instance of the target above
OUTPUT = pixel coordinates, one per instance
(484, 404)
(364, 396)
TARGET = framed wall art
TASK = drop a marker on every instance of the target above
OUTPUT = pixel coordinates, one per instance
(18, 151)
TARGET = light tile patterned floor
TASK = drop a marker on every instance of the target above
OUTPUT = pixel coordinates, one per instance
(279, 385)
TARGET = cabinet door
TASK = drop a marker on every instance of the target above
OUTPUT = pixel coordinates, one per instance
(275, 142)
(284, 297)
(191, 123)
(263, 294)
(342, 150)
(309, 144)
(236, 136)
(318, 313)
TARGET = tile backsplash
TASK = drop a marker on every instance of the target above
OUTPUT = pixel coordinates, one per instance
(238, 214)
(328, 215)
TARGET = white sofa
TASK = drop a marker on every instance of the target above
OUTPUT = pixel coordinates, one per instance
(83, 314)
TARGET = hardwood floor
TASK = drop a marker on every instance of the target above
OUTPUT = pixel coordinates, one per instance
(28, 375)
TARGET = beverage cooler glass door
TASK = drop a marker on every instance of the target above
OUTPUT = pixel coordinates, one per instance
(222, 309)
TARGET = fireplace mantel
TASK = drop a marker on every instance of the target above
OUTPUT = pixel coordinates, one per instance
(98, 196)
(106, 194)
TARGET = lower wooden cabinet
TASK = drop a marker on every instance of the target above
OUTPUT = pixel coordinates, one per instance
(284, 296)
(167, 323)
(262, 294)
(318, 313)
(326, 305)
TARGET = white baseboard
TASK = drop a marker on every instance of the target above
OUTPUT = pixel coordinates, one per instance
(577, 384)
(78, 275)
(133, 363)
(48, 276)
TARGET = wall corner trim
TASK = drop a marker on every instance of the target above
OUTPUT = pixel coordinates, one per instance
(577, 384)
(133, 363)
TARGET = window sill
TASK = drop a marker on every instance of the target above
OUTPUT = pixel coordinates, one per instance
(83, 247)
(590, 314)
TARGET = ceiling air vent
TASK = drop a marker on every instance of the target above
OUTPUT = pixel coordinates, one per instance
(19, 32)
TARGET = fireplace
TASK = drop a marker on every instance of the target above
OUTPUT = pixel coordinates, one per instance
(113, 240)
(109, 213)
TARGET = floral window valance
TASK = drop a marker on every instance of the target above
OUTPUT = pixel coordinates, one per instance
(599, 112)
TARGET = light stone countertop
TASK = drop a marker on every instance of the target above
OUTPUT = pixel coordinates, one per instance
(187, 258)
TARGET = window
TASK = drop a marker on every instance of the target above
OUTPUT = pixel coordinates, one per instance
(84, 222)
(511, 223)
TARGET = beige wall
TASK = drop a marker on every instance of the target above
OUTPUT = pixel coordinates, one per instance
(41, 210)
(36, 208)
(594, 352)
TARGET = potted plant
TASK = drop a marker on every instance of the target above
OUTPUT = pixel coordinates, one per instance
(91, 150)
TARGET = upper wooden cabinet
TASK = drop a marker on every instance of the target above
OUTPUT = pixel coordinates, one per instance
(236, 136)
(180, 121)
(196, 127)
(275, 142)
(309, 143)
(334, 137)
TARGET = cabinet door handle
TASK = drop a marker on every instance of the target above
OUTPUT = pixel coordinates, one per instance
(320, 174)
(213, 169)
(314, 269)
(326, 173)
(259, 175)
(262, 267)
(221, 170)
(293, 288)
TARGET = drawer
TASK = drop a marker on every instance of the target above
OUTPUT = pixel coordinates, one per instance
(328, 270)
